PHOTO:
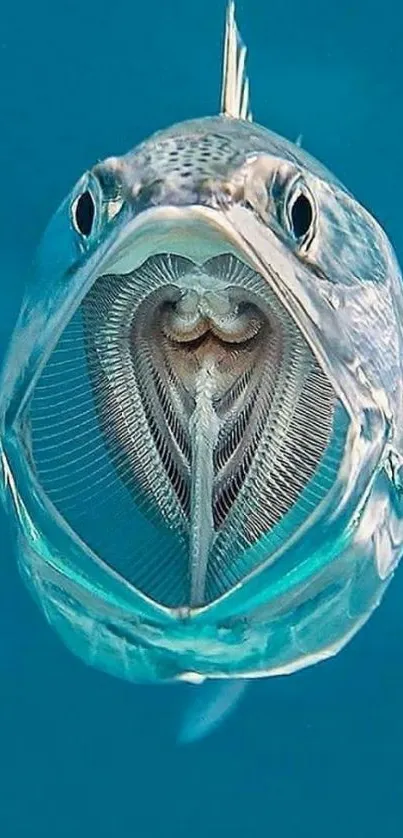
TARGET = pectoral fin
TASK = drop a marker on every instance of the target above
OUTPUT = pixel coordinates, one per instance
(212, 702)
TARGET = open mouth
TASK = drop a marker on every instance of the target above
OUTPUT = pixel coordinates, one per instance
(182, 426)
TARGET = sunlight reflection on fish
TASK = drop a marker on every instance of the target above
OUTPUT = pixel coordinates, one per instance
(201, 409)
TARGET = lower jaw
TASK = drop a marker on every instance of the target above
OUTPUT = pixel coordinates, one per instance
(287, 633)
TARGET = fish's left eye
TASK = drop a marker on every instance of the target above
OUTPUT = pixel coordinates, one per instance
(83, 213)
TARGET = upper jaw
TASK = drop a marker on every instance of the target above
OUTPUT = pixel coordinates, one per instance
(195, 232)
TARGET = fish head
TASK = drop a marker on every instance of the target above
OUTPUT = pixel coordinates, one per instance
(204, 378)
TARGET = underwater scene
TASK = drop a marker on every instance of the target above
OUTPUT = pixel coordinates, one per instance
(201, 419)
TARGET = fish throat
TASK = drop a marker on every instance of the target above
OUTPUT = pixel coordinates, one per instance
(203, 417)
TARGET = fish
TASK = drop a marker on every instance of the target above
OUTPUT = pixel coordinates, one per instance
(201, 409)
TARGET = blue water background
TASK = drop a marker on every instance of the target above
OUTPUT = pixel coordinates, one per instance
(320, 753)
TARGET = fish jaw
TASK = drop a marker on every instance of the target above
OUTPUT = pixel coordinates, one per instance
(201, 234)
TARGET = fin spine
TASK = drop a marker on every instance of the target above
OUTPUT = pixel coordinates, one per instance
(235, 84)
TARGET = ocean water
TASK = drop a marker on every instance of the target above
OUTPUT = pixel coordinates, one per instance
(316, 754)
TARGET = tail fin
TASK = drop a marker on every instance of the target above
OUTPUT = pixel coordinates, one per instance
(212, 703)
(235, 84)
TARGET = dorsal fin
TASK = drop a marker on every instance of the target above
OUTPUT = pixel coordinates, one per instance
(235, 83)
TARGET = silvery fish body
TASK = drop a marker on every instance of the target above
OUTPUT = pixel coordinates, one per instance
(201, 407)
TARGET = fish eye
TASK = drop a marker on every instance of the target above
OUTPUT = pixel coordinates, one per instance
(301, 215)
(83, 213)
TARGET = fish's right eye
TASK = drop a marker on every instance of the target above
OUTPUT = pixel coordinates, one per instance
(301, 215)
(83, 213)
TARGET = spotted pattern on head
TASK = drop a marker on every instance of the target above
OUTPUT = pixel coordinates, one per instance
(190, 156)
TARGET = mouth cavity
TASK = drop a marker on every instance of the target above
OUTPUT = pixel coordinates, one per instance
(183, 427)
